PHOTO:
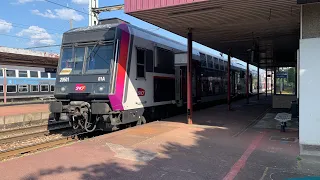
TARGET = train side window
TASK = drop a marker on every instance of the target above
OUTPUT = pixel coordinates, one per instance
(34, 74)
(141, 60)
(1, 72)
(216, 63)
(44, 88)
(11, 88)
(53, 75)
(44, 75)
(1, 88)
(52, 88)
(210, 62)
(11, 73)
(23, 73)
(203, 60)
(164, 61)
(23, 88)
(34, 88)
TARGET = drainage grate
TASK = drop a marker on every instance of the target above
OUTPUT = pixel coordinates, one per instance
(285, 139)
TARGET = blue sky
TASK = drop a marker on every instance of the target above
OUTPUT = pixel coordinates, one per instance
(33, 23)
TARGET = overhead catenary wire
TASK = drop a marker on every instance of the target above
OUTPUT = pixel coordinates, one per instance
(58, 4)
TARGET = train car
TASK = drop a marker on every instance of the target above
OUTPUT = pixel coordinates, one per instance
(115, 73)
(26, 82)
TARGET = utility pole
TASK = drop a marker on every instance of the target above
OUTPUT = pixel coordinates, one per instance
(93, 17)
(71, 24)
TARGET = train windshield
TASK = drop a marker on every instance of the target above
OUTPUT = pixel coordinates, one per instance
(90, 59)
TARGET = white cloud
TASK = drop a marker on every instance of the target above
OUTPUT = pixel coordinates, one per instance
(5, 26)
(80, 1)
(64, 13)
(47, 14)
(26, 1)
(37, 35)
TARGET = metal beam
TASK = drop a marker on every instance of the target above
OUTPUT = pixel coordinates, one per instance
(108, 8)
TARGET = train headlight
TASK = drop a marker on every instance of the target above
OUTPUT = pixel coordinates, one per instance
(63, 89)
(101, 88)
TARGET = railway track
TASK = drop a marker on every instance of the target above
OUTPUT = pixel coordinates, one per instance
(15, 152)
(19, 134)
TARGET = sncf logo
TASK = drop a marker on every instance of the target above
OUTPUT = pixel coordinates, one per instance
(141, 92)
(80, 87)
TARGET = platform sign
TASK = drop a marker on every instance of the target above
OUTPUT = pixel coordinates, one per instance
(307, 1)
(282, 75)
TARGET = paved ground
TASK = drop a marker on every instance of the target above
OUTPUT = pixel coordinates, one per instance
(224, 145)
(23, 109)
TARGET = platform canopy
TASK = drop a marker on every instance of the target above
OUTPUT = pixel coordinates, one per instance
(14, 56)
(270, 27)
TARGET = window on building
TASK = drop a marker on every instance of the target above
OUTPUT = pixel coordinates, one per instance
(11, 73)
(165, 61)
(1, 88)
(141, 60)
(23, 73)
(285, 80)
(52, 88)
(23, 88)
(44, 88)
(11, 88)
(34, 88)
(34, 74)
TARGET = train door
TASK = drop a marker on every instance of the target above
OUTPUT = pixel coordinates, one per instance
(181, 83)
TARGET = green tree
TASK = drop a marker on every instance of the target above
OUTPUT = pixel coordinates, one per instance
(291, 75)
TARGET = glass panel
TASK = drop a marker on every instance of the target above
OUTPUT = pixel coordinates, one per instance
(203, 60)
(34, 74)
(99, 59)
(1, 72)
(216, 63)
(34, 88)
(140, 70)
(285, 80)
(52, 88)
(11, 73)
(210, 62)
(44, 88)
(140, 56)
(23, 88)
(11, 88)
(53, 75)
(1, 88)
(44, 75)
(78, 60)
(66, 59)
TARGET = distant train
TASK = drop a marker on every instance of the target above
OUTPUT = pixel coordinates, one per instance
(26, 82)
(115, 73)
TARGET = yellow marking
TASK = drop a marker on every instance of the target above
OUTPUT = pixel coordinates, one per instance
(66, 71)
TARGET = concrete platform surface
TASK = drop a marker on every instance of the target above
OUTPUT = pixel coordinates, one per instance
(23, 109)
(23, 115)
(222, 145)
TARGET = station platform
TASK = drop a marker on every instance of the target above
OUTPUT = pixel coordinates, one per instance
(221, 144)
(22, 115)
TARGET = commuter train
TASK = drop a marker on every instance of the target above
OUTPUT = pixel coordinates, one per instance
(26, 82)
(115, 73)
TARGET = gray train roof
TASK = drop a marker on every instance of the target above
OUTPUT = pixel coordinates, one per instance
(159, 40)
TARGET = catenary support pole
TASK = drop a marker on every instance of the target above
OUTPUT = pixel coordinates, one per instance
(189, 78)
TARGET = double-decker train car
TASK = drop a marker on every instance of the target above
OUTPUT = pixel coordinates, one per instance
(115, 73)
(25, 82)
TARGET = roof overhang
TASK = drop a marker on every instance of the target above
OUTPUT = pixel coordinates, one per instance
(14, 56)
(271, 26)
